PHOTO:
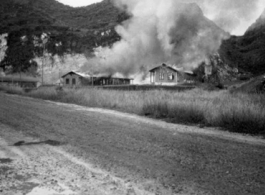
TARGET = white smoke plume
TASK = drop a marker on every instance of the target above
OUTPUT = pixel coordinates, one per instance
(3, 46)
(171, 31)
(55, 67)
(234, 16)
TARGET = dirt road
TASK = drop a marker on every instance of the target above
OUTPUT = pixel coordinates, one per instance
(51, 148)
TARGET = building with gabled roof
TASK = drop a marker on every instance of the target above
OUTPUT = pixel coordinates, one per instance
(167, 75)
(78, 79)
(24, 82)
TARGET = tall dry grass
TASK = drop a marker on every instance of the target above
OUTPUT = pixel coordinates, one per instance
(11, 89)
(92, 97)
(242, 113)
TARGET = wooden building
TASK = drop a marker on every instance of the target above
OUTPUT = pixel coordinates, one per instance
(167, 75)
(77, 79)
(24, 82)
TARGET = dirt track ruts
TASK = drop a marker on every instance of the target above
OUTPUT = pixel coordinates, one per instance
(151, 156)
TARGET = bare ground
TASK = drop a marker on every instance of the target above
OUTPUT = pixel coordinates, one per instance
(68, 149)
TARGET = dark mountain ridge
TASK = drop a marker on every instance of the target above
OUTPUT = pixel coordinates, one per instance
(75, 30)
(258, 25)
(247, 52)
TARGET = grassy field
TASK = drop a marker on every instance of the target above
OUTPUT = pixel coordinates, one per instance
(237, 112)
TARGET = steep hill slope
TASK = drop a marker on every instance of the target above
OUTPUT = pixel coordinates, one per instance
(96, 16)
(69, 30)
(247, 52)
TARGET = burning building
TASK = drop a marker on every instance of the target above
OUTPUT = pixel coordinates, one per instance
(167, 75)
(158, 31)
(77, 79)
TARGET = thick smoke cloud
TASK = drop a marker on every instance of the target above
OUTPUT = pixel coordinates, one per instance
(234, 16)
(3, 46)
(171, 31)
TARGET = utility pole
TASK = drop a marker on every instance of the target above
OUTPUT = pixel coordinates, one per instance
(3, 48)
(92, 77)
(92, 80)
(1, 74)
(1, 60)
(44, 38)
(20, 79)
(59, 77)
(42, 64)
(23, 39)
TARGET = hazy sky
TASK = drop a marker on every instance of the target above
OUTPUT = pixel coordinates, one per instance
(78, 3)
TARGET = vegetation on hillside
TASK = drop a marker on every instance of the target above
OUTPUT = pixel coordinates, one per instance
(247, 52)
(221, 73)
(69, 30)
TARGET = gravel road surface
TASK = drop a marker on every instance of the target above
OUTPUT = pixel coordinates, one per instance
(49, 148)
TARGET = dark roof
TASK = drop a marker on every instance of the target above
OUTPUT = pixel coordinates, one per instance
(110, 77)
(163, 65)
(173, 69)
(189, 73)
(84, 75)
(77, 73)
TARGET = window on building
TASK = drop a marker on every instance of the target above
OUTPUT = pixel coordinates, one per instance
(161, 76)
(171, 77)
(67, 81)
(73, 81)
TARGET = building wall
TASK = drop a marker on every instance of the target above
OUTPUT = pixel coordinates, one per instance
(189, 78)
(72, 80)
(80, 81)
(111, 81)
(23, 84)
(208, 70)
(165, 75)
(15, 81)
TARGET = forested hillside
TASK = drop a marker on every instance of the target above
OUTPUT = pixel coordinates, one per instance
(67, 29)
(247, 52)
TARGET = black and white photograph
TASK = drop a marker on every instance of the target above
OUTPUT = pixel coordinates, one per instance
(132, 97)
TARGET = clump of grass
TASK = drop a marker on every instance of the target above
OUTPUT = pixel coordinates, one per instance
(244, 113)
(239, 113)
(46, 93)
(118, 100)
(182, 107)
(12, 89)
